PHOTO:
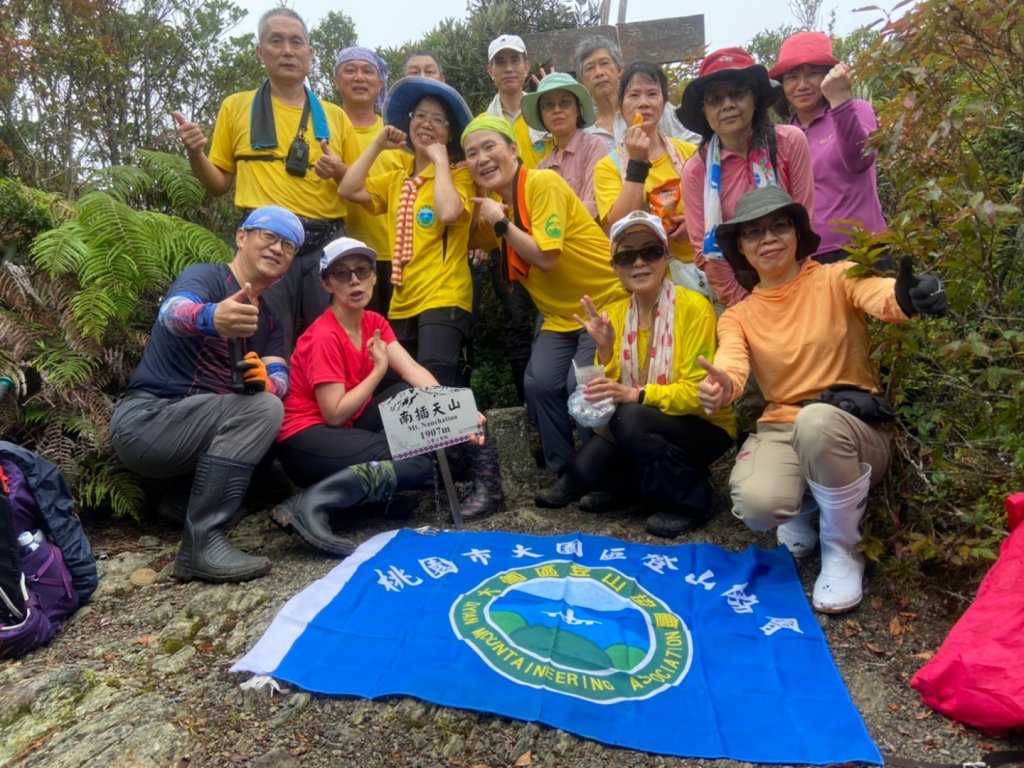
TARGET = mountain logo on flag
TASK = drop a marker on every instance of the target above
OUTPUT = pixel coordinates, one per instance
(589, 632)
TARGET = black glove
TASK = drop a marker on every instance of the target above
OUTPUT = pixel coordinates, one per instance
(924, 295)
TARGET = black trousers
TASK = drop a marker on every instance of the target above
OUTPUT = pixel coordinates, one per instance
(668, 455)
(321, 450)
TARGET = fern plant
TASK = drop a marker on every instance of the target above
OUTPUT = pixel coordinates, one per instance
(75, 315)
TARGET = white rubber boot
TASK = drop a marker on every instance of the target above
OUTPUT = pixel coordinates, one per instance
(839, 586)
(799, 535)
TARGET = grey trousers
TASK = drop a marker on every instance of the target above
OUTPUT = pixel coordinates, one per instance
(825, 444)
(550, 379)
(161, 438)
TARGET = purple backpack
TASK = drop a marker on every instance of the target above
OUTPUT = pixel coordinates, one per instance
(37, 590)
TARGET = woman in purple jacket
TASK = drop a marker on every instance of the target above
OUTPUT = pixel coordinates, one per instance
(817, 95)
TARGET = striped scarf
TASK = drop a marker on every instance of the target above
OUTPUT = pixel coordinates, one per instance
(404, 228)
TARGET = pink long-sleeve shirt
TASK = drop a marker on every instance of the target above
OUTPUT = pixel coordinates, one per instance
(793, 173)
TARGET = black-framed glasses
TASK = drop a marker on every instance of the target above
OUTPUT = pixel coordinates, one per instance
(438, 121)
(755, 233)
(270, 238)
(363, 272)
(627, 258)
(735, 94)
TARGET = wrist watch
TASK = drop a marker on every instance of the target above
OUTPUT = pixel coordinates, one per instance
(501, 226)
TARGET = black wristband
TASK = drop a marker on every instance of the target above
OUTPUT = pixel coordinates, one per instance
(640, 397)
(501, 227)
(637, 170)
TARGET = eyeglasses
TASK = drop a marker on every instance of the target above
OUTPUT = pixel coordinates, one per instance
(718, 96)
(806, 72)
(435, 120)
(648, 253)
(363, 272)
(565, 104)
(271, 238)
(755, 233)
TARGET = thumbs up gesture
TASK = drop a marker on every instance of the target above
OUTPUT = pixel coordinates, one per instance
(236, 316)
(190, 133)
(923, 294)
(328, 165)
(715, 390)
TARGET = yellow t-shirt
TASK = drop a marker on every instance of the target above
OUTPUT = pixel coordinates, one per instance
(608, 186)
(531, 152)
(438, 275)
(694, 334)
(373, 230)
(259, 183)
(560, 221)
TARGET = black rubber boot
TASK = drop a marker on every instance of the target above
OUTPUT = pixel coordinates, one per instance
(308, 512)
(205, 553)
(486, 496)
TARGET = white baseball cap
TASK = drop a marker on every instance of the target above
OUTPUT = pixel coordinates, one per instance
(505, 42)
(638, 219)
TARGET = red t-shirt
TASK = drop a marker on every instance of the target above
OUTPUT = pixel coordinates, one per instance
(324, 354)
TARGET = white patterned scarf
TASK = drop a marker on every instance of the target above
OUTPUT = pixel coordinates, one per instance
(657, 367)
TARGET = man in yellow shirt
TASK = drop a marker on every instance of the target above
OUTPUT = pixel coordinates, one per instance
(279, 145)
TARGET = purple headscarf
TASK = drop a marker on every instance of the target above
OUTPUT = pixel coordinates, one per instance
(358, 53)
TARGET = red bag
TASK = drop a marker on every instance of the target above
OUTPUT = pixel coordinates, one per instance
(977, 677)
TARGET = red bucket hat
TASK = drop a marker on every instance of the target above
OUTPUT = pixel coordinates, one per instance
(814, 48)
(722, 64)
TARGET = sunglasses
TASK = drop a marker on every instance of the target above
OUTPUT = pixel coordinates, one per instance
(363, 272)
(735, 94)
(628, 258)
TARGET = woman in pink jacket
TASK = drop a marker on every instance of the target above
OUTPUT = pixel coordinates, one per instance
(727, 104)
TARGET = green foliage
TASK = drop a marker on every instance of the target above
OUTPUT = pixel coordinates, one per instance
(951, 146)
(334, 32)
(74, 318)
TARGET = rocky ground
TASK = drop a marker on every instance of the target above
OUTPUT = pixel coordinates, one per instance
(139, 677)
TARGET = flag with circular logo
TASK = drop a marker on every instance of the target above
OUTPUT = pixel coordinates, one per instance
(687, 650)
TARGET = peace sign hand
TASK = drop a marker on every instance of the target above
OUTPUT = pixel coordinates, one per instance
(597, 325)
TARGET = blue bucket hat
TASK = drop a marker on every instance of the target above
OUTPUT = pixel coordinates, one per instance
(278, 220)
(407, 93)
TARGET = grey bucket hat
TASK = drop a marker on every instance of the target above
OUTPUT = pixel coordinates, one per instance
(751, 207)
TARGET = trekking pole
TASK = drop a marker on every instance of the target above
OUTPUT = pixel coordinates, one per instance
(237, 347)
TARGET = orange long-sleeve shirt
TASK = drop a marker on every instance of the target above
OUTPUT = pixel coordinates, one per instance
(804, 336)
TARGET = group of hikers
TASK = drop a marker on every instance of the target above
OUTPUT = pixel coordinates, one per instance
(695, 252)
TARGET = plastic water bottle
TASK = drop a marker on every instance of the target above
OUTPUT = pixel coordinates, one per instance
(29, 541)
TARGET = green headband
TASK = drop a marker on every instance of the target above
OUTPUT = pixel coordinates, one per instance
(489, 123)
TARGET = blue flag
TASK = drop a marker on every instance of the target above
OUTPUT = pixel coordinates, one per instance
(687, 650)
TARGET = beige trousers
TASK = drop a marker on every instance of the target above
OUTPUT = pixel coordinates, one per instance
(825, 444)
